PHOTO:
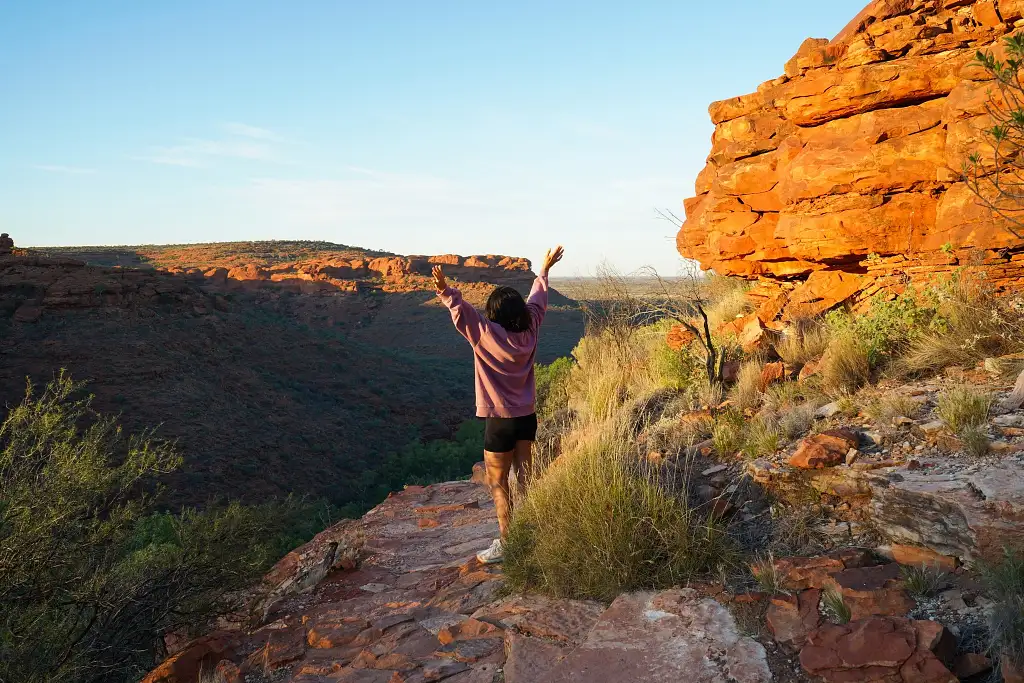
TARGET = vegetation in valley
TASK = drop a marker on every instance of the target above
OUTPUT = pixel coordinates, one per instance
(271, 393)
(93, 572)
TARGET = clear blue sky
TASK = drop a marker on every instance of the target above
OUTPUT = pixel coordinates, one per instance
(474, 126)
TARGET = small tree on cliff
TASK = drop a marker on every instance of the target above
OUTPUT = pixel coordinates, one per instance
(693, 315)
(615, 306)
(998, 179)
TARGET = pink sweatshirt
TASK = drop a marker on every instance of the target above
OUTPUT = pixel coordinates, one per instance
(503, 360)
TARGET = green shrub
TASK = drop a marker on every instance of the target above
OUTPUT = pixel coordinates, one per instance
(971, 323)
(924, 581)
(761, 437)
(552, 380)
(889, 327)
(677, 370)
(598, 522)
(94, 575)
(420, 463)
(727, 433)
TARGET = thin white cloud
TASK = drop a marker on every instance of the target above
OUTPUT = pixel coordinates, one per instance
(197, 152)
(254, 132)
(57, 168)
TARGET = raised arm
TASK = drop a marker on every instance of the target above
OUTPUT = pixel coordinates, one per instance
(537, 302)
(466, 318)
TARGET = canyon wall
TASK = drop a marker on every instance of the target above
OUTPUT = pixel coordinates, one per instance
(843, 177)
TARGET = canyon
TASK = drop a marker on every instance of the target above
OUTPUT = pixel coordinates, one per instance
(277, 367)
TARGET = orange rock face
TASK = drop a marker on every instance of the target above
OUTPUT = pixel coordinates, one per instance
(844, 176)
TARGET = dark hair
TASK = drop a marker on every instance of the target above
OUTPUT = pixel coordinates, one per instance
(506, 307)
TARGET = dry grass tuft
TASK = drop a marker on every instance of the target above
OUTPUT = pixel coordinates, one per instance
(971, 323)
(761, 437)
(975, 441)
(599, 522)
(727, 299)
(845, 367)
(834, 607)
(727, 433)
(747, 391)
(885, 408)
(802, 342)
(924, 581)
(610, 369)
(965, 411)
(962, 408)
(767, 574)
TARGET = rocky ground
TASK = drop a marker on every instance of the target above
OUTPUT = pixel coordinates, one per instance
(420, 608)
(902, 501)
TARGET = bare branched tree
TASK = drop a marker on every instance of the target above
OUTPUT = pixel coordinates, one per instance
(619, 305)
(998, 181)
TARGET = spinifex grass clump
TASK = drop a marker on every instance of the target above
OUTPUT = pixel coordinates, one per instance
(599, 522)
(1004, 580)
(924, 581)
(965, 412)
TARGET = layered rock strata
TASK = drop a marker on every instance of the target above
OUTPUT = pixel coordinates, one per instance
(843, 177)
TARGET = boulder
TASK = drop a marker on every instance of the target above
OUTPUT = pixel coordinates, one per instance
(826, 449)
(842, 178)
(871, 591)
(916, 556)
(6, 244)
(887, 649)
(772, 373)
(301, 570)
(791, 618)
(971, 664)
(669, 636)
(203, 654)
(678, 338)
(954, 512)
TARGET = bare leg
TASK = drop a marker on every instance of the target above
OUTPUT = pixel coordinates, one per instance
(498, 466)
(522, 465)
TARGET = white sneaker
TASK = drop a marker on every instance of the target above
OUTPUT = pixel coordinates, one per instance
(492, 555)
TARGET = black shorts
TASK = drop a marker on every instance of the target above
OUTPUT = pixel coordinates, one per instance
(501, 433)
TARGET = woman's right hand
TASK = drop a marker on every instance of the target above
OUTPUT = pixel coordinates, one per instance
(552, 257)
(440, 283)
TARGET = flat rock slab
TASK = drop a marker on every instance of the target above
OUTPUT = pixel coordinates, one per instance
(959, 512)
(665, 637)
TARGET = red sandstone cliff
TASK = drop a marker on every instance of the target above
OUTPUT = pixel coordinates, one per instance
(843, 176)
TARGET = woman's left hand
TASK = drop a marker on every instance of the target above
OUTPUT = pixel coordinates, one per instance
(440, 283)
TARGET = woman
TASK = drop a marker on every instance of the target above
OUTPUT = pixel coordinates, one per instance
(504, 347)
